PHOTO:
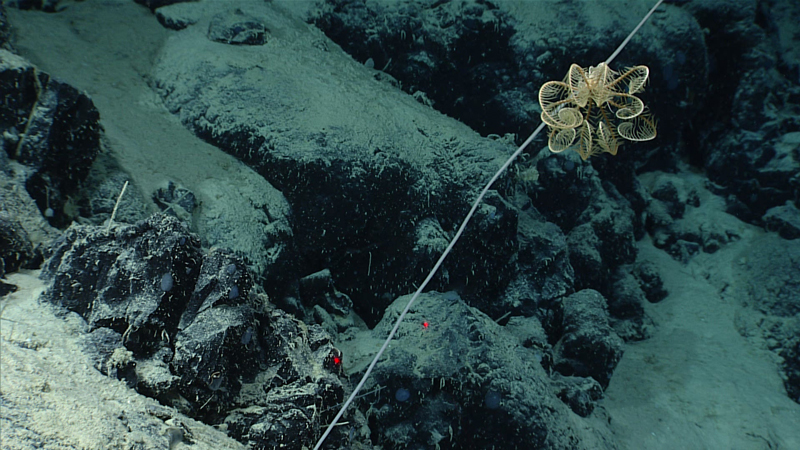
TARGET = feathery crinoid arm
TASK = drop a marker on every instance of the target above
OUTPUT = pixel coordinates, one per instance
(559, 109)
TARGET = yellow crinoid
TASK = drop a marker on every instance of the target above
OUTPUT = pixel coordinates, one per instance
(592, 108)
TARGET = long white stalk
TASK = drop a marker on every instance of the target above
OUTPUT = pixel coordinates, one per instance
(453, 243)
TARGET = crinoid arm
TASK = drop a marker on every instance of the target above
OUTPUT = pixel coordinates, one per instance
(597, 134)
(640, 128)
(585, 146)
(627, 106)
(606, 139)
(633, 80)
(561, 139)
(579, 85)
(558, 107)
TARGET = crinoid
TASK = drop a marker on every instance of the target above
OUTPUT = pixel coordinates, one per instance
(592, 108)
(586, 104)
